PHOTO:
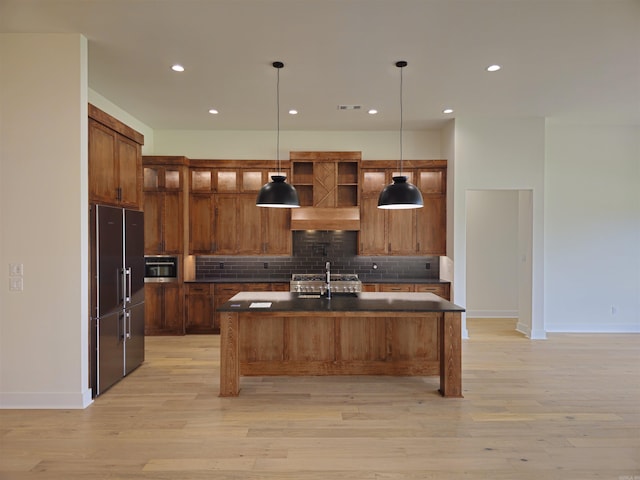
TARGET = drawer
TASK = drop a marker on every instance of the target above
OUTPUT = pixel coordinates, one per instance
(202, 288)
(396, 287)
(442, 290)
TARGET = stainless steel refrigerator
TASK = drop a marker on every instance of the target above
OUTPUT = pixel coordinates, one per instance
(117, 294)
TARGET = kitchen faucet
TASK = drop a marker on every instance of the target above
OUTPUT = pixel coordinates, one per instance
(328, 282)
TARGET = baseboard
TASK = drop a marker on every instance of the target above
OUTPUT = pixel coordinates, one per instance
(46, 400)
(492, 314)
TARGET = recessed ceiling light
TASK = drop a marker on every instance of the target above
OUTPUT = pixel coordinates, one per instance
(213, 111)
(493, 68)
(293, 111)
(373, 111)
(177, 68)
(447, 110)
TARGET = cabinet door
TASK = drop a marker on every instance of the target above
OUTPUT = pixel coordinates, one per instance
(163, 222)
(199, 309)
(173, 314)
(163, 309)
(325, 184)
(431, 226)
(277, 231)
(201, 224)
(153, 311)
(373, 227)
(153, 206)
(226, 224)
(103, 182)
(401, 228)
(249, 225)
(129, 166)
(373, 237)
(172, 223)
(227, 180)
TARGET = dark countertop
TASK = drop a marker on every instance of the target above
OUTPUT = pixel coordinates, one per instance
(286, 280)
(364, 302)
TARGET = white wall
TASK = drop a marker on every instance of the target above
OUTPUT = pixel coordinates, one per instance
(500, 154)
(258, 145)
(592, 225)
(44, 218)
(125, 117)
(492, 253)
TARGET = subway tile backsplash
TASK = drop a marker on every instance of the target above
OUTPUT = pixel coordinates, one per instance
(311, 250)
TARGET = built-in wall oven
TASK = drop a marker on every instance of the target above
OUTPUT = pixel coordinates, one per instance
(160, 269)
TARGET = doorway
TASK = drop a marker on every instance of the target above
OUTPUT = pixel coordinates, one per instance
(499, 229)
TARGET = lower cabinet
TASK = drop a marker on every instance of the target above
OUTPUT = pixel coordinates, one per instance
(199, 309)
(164, 309)
(440, 289)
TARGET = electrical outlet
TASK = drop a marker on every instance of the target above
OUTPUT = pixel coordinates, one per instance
(427, 266)
(265, 265)
(221, 265)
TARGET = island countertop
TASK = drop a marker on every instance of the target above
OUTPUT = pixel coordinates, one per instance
(363, 302)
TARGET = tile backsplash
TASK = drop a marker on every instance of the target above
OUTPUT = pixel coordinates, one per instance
(311, 250)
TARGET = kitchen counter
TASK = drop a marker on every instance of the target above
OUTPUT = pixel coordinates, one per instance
(286, 302)
(420, 280)
(375, 333)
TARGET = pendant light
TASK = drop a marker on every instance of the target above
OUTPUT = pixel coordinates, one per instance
(278, 193)
(400, 194)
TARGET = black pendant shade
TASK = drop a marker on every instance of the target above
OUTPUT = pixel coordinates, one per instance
(278, 194)
(400, 195)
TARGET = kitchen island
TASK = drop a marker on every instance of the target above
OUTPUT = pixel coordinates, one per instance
(373, 333)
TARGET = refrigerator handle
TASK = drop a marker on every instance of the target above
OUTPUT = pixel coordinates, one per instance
(128, 334)
(127, 274)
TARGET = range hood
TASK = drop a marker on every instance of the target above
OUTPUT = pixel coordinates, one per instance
(330, 218)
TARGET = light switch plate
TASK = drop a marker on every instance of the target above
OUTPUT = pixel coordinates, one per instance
(16, 269)
(15, 284)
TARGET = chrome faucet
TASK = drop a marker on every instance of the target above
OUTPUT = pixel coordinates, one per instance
(327, 267)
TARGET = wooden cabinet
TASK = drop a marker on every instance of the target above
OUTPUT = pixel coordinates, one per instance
(224, 218)
(440, 289)
(163, 205)
(164, 312)
(115, 161)
(419, 231)
(200, 308)
(326, 179)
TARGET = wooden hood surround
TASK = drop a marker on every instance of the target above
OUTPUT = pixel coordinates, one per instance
(327, 218)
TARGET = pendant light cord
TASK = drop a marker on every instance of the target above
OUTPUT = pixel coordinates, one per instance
(278, 120)
(401, 119)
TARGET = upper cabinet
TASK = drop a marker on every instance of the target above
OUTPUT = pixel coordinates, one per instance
(326, 179)
(163, 205)
(419, 231)
(223, 216)
(115, 161)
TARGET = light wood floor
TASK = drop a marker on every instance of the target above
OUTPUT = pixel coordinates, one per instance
(563, 408)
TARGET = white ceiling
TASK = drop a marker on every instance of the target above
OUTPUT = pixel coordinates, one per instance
(566, 59)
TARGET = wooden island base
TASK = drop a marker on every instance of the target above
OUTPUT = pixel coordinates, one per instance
(263, 343)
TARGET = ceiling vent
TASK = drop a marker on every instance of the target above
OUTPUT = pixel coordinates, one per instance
(349, 107)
